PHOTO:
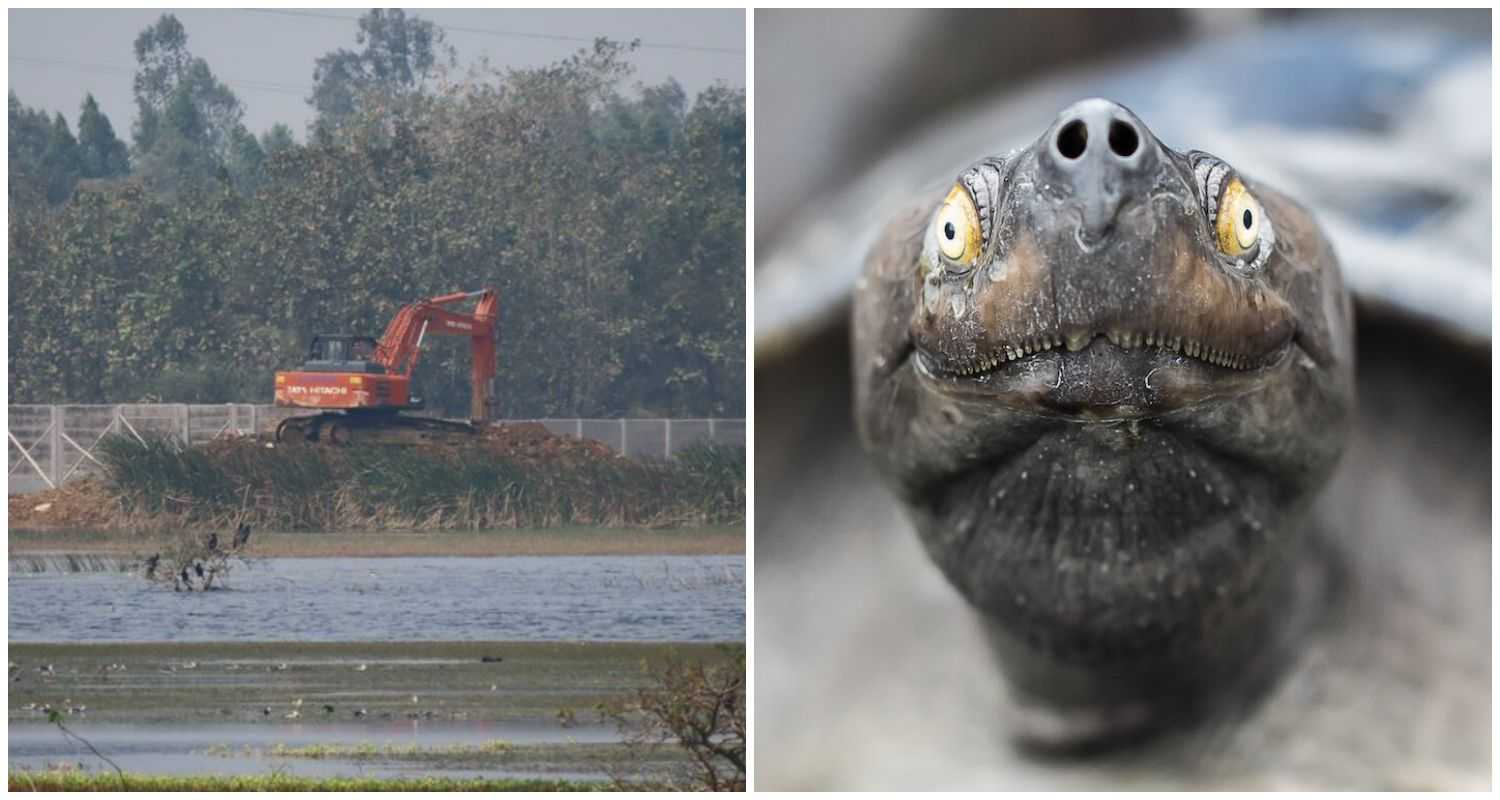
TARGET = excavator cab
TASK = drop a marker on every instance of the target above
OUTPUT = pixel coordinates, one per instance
(331, 352)
(360, 385)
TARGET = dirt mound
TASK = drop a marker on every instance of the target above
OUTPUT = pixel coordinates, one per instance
(83, 503)
(532, 443)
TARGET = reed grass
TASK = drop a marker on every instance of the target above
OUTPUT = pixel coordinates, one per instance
(450, 488)
(72, 780)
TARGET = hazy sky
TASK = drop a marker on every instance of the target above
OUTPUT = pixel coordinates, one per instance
(266, 56)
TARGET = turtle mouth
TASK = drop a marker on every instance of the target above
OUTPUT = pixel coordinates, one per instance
(1003, 355)
(1055, 326)
(1113, 374)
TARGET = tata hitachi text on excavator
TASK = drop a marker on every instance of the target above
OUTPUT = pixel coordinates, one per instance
(361, 385)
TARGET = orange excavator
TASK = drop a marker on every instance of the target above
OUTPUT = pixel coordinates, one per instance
(360, 385)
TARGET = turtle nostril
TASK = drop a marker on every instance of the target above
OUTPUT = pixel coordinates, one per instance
(1123, 139)
(1073, 139)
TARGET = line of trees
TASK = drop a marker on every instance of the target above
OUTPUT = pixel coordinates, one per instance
(191, 265)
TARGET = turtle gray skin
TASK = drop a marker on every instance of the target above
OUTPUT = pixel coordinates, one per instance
(877, 668)
(1106, 379)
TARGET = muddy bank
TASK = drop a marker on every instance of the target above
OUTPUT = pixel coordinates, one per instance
(723, 540)
(236, 715)
(261, 683)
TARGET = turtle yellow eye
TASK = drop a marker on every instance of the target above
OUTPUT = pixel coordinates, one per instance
(957, 227)
(1239, 220)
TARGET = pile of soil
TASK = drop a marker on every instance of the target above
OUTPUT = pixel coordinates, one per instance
(525, 442)
(532, 443)
(82, 503)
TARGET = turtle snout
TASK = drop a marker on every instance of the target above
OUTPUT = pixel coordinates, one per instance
(1102, 157)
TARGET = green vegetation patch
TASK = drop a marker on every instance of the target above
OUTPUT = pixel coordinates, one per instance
(659, 762)
(419, 488)
(78, 781)
(609, 215)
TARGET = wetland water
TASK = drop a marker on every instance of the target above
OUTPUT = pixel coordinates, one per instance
(228, 749)
(521, 598)
(210, 682)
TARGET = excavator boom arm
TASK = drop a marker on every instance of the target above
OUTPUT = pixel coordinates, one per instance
(401, 344)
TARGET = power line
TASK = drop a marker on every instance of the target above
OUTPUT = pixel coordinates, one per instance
(511, 34)
(291, 89)
(246, 83)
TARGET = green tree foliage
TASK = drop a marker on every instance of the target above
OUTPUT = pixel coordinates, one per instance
(29, 131)
(46, 161)
(61, 161)
(397, 55)
(166, 68)
(277, 140)
(189, 128)
(245, 159)
(101, 153)
(609, 217)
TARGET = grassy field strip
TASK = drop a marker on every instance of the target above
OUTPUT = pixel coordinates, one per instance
(262, 682)
(570, 757)
(77, 781)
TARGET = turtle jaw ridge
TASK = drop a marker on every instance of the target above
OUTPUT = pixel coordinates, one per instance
(997, 357)
(1103, 381)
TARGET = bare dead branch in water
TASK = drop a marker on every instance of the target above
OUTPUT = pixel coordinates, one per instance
(195, 562)
(698, 706)
(55, 717)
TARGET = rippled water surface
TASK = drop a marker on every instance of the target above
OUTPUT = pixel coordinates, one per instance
(531, 598)
(194, 749)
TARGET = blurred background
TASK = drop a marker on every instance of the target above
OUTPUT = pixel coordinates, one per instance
(870, 669)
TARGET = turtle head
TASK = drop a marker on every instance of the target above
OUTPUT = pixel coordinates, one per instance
(1107, 377)
(1056, 279)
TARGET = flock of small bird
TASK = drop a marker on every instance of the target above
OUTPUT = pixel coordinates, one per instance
(66, 706)
(50, 671)
(329, 710)
(359, 713)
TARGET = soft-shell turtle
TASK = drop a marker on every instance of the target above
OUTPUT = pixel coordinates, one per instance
(1283, 628)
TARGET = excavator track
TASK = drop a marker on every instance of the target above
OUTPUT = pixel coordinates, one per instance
(373, 428)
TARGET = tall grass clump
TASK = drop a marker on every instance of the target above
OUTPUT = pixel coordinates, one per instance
(714, 474)
(74, 780)
(448, 487)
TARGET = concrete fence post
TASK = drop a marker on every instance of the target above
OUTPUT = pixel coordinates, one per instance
(187, 430)
(54, 445)
(624, 439)
(578, 428)
(711, 437)
(667, 436)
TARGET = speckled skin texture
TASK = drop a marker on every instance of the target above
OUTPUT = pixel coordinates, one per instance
(1129, 519)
